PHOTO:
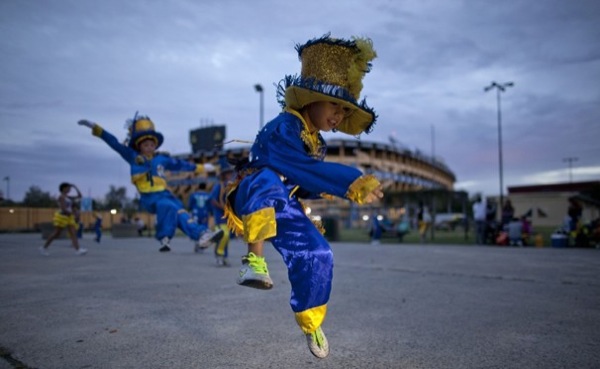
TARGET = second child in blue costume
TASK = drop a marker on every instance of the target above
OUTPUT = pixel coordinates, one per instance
(286, 164)
(148, 175)
(198, 205)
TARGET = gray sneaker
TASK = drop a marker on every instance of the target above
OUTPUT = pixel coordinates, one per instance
(254, 272)
(81, 251)
(207, 238)
(43, 251)
(317, 343)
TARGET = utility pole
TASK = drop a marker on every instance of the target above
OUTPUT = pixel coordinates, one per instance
(433, 142)
(500, 87)
(7, 179)
(570, 160)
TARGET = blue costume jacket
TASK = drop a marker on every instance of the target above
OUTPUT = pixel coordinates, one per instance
(285, 165)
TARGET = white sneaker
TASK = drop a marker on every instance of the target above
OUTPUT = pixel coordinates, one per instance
(43, 251)
(81, 251)
(164, 243)
(209, 237)
(317, 343)
(254, 272)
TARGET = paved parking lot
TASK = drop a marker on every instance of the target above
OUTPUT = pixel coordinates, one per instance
(125, 305)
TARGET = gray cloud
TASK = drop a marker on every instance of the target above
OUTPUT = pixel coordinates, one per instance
(183, 62)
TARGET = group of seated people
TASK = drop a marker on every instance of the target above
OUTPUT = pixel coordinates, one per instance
(516, 232)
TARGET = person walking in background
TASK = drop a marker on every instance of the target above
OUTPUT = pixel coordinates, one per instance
(376, 230)
(574, 211)
(479, 216)
(286, 164)
(148, 175)
(492, 230)
(65, 218)
(98, 227)
(217, 204)
(199, 205)
(508, 213)
(423, 219)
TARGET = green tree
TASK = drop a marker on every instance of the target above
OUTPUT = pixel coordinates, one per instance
(116, 198)
(36, 198)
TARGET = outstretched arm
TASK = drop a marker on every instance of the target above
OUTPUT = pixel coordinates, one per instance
(87, 123)
(288, 157)
(179, 165)
(126, 153)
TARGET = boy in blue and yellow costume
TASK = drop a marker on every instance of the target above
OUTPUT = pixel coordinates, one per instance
(148, 175)
(286, 164)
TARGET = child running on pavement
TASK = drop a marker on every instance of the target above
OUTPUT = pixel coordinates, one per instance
(286, 164)
(65, 218)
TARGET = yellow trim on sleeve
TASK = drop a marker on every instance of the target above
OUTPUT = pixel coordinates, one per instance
(361, 187)
(259, 225)
(97, 130)
(311, 319)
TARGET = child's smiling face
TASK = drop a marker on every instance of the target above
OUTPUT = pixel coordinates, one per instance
(147, 147)
(326, 115)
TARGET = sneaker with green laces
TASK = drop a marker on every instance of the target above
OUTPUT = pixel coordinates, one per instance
(254, 272)
(317, 343)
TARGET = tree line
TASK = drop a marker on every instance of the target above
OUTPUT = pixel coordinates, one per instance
(116, 198)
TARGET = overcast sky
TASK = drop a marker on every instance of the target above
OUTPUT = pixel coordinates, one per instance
(187, 63)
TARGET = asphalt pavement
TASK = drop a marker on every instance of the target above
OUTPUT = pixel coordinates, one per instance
(125, 305)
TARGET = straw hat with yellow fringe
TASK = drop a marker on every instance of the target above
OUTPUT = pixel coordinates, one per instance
(332, 70)
(142, 128)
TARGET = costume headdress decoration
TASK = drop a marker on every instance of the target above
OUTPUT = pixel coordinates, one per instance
(332, 70)
(141, 128)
